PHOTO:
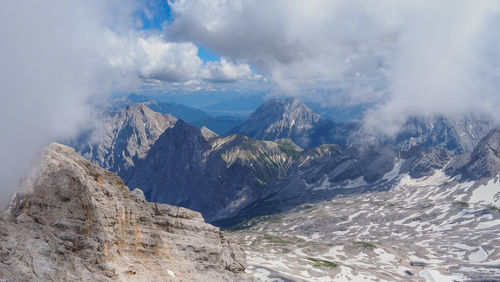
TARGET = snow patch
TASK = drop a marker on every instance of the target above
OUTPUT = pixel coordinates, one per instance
(489, 193)
(433, 275)
(358, 182)
(478, 256)
(394, 172)
(170, 272)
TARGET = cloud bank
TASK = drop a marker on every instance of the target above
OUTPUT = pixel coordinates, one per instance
(50, 66)
(151, 56)
(408, 57)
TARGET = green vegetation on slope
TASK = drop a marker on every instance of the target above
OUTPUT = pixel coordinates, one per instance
(321, 262)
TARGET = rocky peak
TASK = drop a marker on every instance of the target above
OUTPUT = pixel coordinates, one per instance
(76, 221)
(483, 162)
(278, 118)
(123, 136)
(459, 134)
(489, 145)
(183, 137)
(208, 134)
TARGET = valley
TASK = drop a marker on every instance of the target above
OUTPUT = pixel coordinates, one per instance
(413, 209)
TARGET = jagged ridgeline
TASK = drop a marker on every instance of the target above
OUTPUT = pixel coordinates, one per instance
(290, 156)
(216, 176)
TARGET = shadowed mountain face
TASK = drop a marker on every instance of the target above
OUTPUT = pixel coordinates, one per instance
(217, 176)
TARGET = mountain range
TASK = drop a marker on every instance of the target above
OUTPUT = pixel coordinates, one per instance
(309, 199)
(292, 119)
(282, 156)
(221, 124)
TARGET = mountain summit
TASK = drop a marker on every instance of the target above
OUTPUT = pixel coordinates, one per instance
(122, 137)
(276, 119)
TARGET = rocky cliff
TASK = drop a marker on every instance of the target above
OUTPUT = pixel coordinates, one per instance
(75, 221)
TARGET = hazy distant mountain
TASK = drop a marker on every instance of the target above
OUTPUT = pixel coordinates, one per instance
(123, 136)
(180, 111)
(287, 118)
(219, 124)
(292, 119)
(460, 134)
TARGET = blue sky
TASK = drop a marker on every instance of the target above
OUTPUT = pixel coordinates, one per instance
(156, 13)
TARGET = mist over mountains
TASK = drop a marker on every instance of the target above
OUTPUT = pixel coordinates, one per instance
(330, 140)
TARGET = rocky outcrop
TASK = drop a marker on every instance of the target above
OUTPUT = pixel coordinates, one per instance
(78, 222)
(422, 161)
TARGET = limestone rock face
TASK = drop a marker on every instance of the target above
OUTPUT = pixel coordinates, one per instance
(78, 222)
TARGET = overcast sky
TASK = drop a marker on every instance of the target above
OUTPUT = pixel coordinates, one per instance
(404, 57)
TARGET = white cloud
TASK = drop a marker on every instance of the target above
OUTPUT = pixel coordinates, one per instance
(53, 60)
(150, 56)
(423, 57)
(225, 71)
(292, 41)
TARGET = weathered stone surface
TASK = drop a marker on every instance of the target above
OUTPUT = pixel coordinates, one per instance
(78, 222)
